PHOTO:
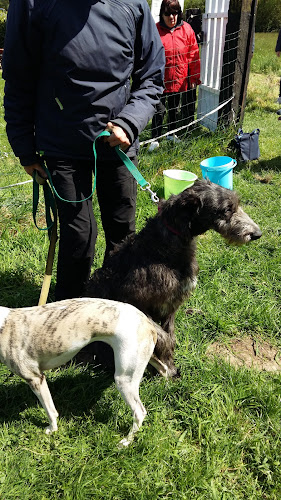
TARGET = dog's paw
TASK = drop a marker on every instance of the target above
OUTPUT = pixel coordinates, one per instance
(190, 310)
(50, 429)
(124, 443)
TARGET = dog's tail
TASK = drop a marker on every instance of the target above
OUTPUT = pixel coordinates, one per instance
(164, 349)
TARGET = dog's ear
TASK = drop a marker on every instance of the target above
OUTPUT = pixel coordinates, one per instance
(191, 201)
(180, 210)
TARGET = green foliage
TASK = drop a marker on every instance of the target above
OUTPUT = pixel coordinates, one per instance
(3, 16)
(200, 4)
(265, 60)
(268, 16)
(4, 4)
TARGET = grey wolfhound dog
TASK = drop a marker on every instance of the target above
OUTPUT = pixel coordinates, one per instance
(156, 269)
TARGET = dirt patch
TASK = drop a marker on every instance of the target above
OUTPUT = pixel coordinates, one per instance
(248, 352)
(264, 179)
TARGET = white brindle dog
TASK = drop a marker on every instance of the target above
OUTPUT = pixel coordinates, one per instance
(35, 339)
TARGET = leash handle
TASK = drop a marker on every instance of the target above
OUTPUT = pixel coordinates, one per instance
(50, 203)
(129, 164)
(38, 180)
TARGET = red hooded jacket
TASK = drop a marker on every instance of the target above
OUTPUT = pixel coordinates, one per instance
(182, 57)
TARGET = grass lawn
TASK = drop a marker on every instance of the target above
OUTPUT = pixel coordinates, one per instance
(215, 432)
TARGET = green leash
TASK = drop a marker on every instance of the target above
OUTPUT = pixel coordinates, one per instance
(50, 191)
(50, 203)
(144, 185)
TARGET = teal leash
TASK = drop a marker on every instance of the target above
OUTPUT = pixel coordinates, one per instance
(50, 191)
(144, 185)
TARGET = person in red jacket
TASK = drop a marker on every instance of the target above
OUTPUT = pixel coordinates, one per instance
(182, 70)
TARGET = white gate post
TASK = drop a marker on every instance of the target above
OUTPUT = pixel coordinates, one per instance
(214, 27)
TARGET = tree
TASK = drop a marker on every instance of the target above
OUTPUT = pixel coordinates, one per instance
(4, 4)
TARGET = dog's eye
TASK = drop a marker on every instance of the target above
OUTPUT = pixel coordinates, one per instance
(228, 212)
(225, 212)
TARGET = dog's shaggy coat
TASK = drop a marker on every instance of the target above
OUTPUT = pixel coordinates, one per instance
(156, 269)
(34, 339)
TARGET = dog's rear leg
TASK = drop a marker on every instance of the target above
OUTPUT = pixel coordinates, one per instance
(129, 369)
(129, 390)
(40, 387)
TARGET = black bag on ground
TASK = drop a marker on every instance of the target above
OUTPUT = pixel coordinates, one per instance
(248, 144)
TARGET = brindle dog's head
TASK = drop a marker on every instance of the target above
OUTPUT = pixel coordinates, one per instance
(205, 206)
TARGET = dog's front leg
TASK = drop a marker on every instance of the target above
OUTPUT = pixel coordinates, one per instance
(40, 387)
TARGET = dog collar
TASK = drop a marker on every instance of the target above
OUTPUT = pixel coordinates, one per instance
(171, 229)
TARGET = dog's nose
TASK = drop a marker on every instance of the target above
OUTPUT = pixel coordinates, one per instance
(256, 235)
(176, 373)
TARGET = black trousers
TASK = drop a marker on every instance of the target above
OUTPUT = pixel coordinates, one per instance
(171, 103)
(188, 101)
(116, 190)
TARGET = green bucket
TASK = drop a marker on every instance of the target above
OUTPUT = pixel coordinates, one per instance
(175, 181)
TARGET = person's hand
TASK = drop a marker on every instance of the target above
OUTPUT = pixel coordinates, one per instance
(193, 85)
(118, 136)
(278, 53)
(36, 166)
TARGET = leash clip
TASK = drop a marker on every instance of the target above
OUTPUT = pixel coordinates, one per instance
(153, 195)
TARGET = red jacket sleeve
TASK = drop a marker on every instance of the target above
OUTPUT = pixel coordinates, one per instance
(194, 62)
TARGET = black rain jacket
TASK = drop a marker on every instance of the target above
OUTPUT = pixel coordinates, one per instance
(70, 67)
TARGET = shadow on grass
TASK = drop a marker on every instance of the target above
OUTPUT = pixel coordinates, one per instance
(260, 166)
(273, 164)
(16, 290)
(73, 394)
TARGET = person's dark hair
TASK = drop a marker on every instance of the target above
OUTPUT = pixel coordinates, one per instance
(171, 6)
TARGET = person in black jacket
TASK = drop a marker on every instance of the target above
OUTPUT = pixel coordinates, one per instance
(278, 52)
(71, 71)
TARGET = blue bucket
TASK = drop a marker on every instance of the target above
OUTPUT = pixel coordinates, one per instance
(219, 169)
